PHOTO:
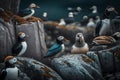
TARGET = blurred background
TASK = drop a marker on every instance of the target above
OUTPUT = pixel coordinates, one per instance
(57, 9)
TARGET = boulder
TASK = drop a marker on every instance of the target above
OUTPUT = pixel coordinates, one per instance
(10, 27)
(35, 70)
(7, 38)
(77, 67)
(36, 40)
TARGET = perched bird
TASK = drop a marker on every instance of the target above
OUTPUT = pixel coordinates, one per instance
(62, 22)
(80, 46)
(94, 12)
(103, 40)
(28, 12)
(97, 19)
(10, 72)
(1, 9)
(84, 21)
(45, 16)
(21, 46)
(70, 18)
(57, 48)
(94, 8)
(103, 27)
(91, 23)
(75, 10)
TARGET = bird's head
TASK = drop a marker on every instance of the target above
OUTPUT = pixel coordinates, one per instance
(116, 35)
(33, 5)
(79, 37)
(111, 9)
(93, 7)
(78, 8)
(61, 39)
(22, 35)
(45, 14)
(70, 14)
(85, 17)
(11, 60)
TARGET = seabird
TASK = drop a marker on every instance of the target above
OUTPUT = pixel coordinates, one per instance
(10, 72)
(21, 46)
(28, 12)
(80, 46)
(57, 48)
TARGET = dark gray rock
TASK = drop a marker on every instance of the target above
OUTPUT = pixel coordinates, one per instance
(11, 5)
(7, 38)
(36, 40)
(36, 70)
(77, 67)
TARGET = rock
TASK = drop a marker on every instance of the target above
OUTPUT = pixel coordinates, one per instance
(36, 70)
(36, 40)
(111, 58)
(9, 29)
(7, 38)
(11, 5)
(77, 67)
(115, 23)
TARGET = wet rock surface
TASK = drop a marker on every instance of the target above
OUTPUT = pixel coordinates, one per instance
(77, 67)
(34, 70)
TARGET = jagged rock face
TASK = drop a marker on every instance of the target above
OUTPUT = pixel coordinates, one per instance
(36, 41)
(7, 38)
(12, 5)
(90, 66)
(115, 25)
(36, 70)
(77, 67)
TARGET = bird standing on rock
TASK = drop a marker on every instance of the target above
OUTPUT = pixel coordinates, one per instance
(62, 22)
(80, 46)
(10, 72)
(21, 46)
(57, 48)
(103, 26)
(28, 12)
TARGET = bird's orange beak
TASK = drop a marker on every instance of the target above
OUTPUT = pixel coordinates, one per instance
(37, 6)
(27, 35)
(66, 40)
(115, 11)
(19, 62)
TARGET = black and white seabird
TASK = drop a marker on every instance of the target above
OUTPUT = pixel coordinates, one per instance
(10, 72)
(21, 46)
(103, 27)
(28, 12)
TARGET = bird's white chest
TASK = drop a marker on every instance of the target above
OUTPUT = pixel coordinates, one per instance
(24, 48)
(94, 11)
(105, 26)
(62, 23)
(12, 73)
(63, 47)
(91, 24)
(78, 50)
(29, 15)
